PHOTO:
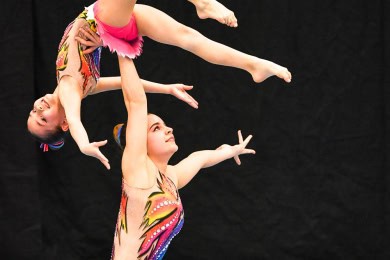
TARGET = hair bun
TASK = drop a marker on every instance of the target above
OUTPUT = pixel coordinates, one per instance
(117, 134)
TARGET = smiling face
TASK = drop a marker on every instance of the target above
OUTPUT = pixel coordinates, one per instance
(46, 116)
(161, 141)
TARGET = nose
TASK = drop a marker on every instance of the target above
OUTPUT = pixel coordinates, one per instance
(38, 107)
(168, 130)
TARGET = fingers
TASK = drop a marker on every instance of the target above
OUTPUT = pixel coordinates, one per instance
(237, 159)
(184, 96)
(248, 151)
(188, 99)
(240, 140)
(106, 164)
(89, 50)
(82, 41)
(100, 156)
(186, 87)
(100, 143)
(192, 102)
(88, 33)
(103, 160)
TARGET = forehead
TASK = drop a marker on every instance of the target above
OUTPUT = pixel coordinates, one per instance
(152, 119)
(37, 129)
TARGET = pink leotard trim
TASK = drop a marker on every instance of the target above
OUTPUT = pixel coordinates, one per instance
(123, 40)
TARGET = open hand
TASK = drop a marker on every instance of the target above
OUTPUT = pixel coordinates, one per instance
(239, 148)
(92, 149)
(180, 92)
(88, 38)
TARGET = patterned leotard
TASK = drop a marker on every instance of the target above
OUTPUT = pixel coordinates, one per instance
(71, 61)
(148, 220)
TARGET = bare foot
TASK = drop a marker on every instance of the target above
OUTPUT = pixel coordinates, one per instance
(215, 10)
(263, 69)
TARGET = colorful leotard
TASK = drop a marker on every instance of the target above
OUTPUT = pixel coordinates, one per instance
(148, 220)
(84, 68)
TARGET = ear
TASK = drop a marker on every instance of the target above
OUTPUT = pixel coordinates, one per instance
(64, 125)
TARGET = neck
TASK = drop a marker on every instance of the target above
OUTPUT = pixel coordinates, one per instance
(56, 91)
(161, 162)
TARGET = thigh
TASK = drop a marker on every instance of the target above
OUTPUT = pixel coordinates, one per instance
(115, 12)
(160, 27)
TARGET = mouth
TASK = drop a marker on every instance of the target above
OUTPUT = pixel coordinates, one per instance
(171, 139)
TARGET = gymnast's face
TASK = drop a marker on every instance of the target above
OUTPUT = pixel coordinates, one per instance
(45, 116)
(160, 137)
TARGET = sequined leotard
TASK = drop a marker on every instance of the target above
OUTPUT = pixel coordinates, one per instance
(148, 220)
(71, 61)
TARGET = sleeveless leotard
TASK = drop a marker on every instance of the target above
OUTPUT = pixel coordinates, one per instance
(148, 220)
(84, 68)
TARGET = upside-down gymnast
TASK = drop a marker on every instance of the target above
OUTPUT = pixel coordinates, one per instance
(77, 73)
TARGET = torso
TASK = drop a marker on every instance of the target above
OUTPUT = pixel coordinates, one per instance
(148, 220)
(71, 61)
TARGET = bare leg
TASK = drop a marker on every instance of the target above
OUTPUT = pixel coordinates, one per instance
(214, 10)
(174, 33)
(115, 12)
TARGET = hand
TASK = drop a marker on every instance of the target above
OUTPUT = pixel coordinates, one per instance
(88, 38)
(239, 148)
(179, 91)
(92, 149)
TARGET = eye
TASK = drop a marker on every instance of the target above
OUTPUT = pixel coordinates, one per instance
(156, 128)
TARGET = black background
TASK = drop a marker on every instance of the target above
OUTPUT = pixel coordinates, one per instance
(317, 187)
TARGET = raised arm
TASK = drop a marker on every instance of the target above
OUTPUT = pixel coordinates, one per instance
(190, 166)
(135, 153)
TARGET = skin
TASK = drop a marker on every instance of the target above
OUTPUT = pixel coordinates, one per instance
(153, 142)
(182, 36)
(69, 93)
(48, 112)
(214, 10)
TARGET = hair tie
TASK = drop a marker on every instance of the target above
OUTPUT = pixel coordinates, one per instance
(44, 147)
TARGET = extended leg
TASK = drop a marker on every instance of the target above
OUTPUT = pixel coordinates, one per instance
(164, 29)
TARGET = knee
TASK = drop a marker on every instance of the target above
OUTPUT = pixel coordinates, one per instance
(188, 37)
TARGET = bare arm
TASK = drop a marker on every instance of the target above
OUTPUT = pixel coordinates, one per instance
(178, 90)
(70, 97)
(190, 166)
(114, 83)
(135, 153)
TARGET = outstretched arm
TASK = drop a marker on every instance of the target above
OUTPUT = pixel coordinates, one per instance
(70, 98)
(177, 90)
(190, 166)
(91, 40)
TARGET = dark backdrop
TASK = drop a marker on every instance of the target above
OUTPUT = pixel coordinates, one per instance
(317, 187)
